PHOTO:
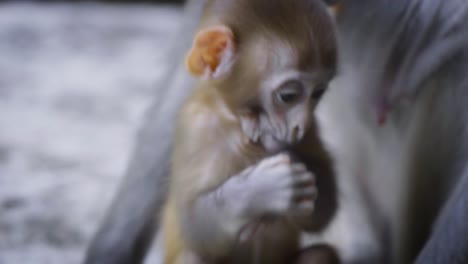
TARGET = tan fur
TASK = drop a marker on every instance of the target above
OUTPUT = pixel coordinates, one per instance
(172, 237)
(210, 144)
(213, 125)
(206, 119)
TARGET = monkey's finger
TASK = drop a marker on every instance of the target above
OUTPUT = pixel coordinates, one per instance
(309, 193)
(306, 205)
(274, 161)
(298, 167)
(307, 178)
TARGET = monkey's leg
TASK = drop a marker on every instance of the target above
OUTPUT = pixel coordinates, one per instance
(449, 240)
(318, 254)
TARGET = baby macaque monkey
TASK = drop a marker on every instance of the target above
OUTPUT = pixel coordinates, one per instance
(243, 183)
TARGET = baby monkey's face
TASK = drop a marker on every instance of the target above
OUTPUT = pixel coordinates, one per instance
(270, 79)
(287, 84)
(284, 110)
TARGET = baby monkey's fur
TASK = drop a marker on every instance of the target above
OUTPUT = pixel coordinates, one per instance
(236, 193)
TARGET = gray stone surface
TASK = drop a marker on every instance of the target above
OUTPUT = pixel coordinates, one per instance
(74, 83)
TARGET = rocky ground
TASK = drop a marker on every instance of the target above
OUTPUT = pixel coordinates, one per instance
(74, 82)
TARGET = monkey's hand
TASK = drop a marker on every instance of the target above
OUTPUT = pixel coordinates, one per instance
(274, 186)
(277, 186)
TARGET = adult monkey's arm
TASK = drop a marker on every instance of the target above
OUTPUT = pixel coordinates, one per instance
(133, 217)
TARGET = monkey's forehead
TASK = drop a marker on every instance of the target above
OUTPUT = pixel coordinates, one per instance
(271, 54)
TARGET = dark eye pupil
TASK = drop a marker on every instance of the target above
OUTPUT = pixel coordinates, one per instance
(288, 97)
(290, 92)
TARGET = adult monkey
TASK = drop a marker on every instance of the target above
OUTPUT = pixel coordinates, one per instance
(403, 93)
(412, 169)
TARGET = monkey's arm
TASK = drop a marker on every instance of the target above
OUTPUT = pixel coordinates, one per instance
(127, 229)
(215, 205)
(313, 154)
(407, 44)
(216, 218)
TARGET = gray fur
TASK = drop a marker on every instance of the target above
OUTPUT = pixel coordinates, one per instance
(409, 171)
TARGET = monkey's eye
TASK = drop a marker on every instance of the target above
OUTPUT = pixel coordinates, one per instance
(290, 92)
(319, 91)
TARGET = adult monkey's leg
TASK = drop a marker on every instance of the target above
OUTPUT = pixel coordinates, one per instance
(132, 219)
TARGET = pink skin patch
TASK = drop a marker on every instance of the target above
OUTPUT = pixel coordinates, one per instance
(385, 105)
(382, 109)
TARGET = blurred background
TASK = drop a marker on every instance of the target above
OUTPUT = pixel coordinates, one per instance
(75, 80)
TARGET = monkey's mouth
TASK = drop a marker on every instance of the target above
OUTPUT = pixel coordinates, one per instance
(273, 145)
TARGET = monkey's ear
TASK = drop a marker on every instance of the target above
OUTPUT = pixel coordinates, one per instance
(212, 52)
